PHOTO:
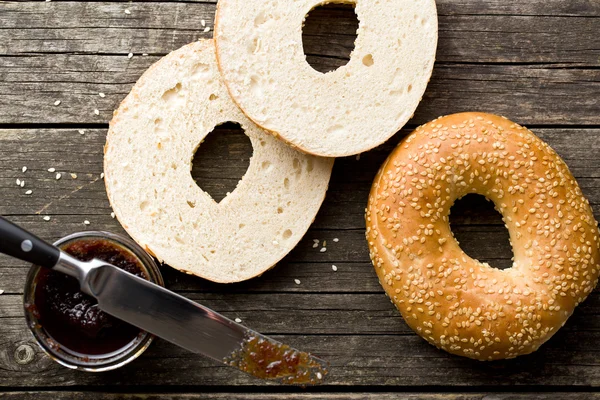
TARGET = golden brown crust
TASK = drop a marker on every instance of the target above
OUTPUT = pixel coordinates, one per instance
(457, 303)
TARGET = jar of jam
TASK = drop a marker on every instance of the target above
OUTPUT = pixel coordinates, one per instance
(68, 325)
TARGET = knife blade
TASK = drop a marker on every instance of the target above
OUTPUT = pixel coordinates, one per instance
(199, 329)
(168, 315)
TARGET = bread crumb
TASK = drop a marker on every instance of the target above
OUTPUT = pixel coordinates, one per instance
(46, 218)
(29, 192)
(297, 281)
(275, 242)
(334, 268)
(238, 320)
(57, 103)
(24, 169)
(357, 157)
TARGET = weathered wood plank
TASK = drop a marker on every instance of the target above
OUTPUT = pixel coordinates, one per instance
(468, 30)
(475, 7)
(478, 241)
(527, 94)
(392, 360)
(297, 396)
(70, 152)
(477, 226)
(322, 313)
(97, 36)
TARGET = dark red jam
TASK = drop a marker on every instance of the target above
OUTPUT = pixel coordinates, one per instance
(268, 360)
(72, 318)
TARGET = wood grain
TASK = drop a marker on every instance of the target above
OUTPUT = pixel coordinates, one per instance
(535, 61)
(297, 396)
(363, 360)
(71, 51)
(69, 202)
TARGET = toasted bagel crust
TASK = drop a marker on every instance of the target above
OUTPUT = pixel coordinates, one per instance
(453, 301)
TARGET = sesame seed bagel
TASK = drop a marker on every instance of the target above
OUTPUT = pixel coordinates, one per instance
(457, 303)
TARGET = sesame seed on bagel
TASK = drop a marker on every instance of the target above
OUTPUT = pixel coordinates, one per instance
(454, 302)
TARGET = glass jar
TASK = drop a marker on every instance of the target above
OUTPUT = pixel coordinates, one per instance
(90, 362)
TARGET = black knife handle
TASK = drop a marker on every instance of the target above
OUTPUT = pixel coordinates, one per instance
(17, 242)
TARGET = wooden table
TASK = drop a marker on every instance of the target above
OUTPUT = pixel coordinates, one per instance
(534, 61)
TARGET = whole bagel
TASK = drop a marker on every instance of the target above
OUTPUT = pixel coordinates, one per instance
(457, 303)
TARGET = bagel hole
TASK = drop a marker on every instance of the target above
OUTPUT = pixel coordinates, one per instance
(329, 31)
(480, 231)
(221, 160)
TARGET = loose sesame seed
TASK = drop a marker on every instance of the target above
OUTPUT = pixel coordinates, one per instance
(323, 249)
(81, 132)
(112, 214)
(127, 11)
(102, 175)
(24, 169)
(2, 291)
(97, 112)
(58, 176)
(86, 222)
(51, 169)
(18, 182)
(46, 218)
(202, 22)
(336, 240)
(22, 183)
(29, 192)
(238, 320)
(297, 281)
(207, 29)
(73, 176)
(319, 375)
(101, 95)
(57, 103)
(130, 56)
(334, 268)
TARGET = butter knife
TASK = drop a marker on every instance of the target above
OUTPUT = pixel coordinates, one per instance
(168, 315)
